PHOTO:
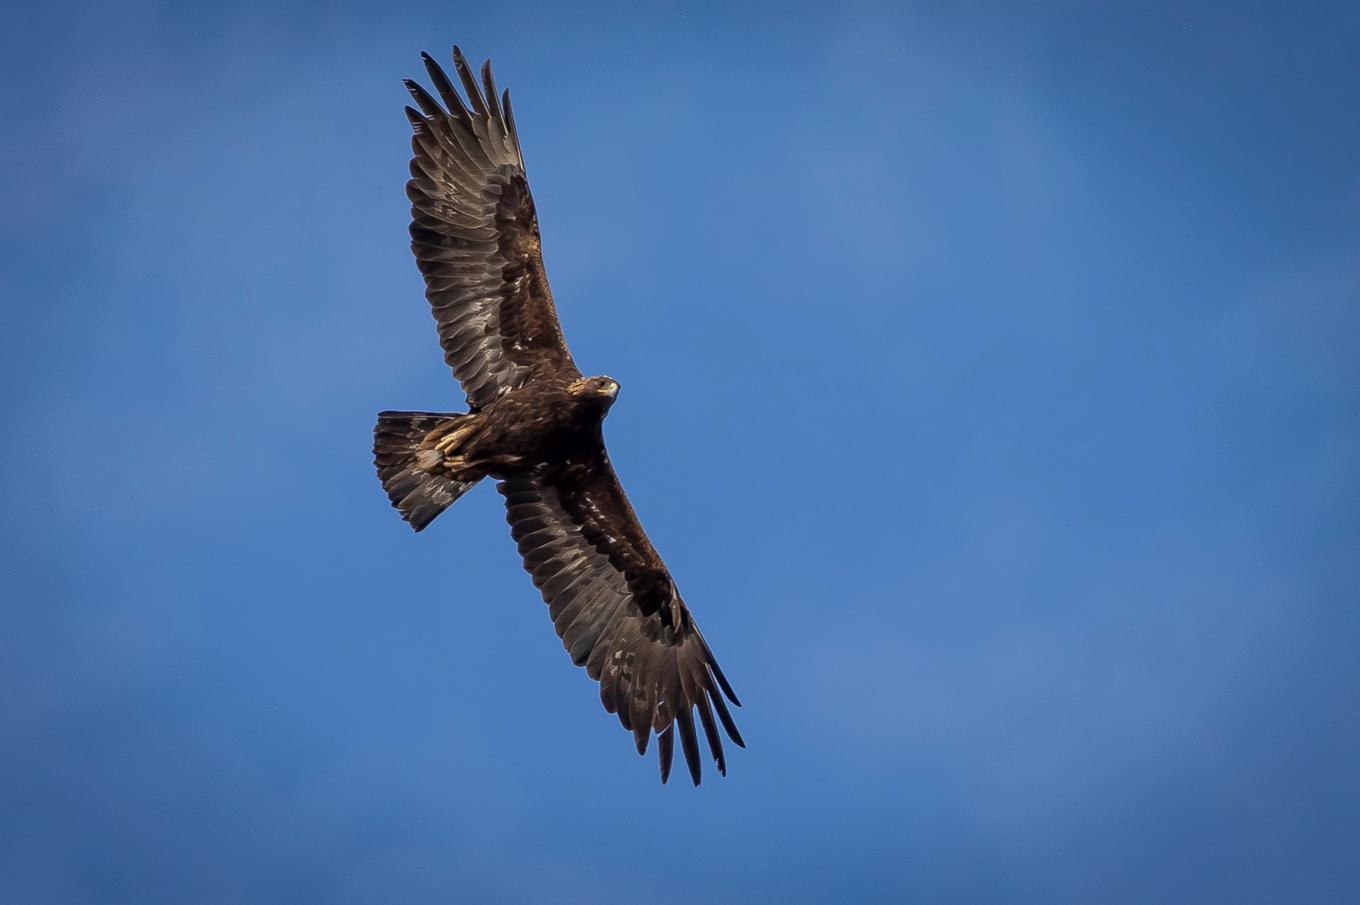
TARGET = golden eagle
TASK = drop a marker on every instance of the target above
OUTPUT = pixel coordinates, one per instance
(535, 426)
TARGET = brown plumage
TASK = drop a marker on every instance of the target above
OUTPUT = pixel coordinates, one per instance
(535, 425)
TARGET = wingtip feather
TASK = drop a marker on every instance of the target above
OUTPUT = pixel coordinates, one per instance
(665, 749)
(469, 81)
(711, 733)
(725, 717)
(440, 78)
(492, 100)
(642, 734)
(422, 98)
(689, 743)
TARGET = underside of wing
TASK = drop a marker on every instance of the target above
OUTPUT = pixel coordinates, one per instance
(617, 611)
(475, 235)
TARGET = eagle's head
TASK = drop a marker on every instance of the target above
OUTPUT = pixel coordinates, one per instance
(600, 390)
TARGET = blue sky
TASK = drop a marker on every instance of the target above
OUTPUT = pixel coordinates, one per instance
(989, 384)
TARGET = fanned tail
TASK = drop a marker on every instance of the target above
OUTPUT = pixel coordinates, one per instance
(410, 469)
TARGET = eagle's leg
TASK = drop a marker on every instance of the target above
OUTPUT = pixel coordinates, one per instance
(444, 449)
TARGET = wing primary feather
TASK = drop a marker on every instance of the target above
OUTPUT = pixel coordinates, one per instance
(444, 87)
(722, 681)
(510, 122)
(640, 712)
(711, 731)
(717, 670)
(469, 83)
(726, 719)
(418, 122)
(665, 749)
(689, 742)
(423, 98)
(489, 82)
(642, 732)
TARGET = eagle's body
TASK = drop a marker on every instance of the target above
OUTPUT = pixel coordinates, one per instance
(535, 426)
(551, 420)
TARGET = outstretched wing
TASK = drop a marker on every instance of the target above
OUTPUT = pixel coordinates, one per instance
(475, 236)
(616, 609)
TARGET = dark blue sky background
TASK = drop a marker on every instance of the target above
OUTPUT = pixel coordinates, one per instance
(990, 384)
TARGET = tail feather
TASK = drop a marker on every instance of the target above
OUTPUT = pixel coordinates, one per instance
(403, 465)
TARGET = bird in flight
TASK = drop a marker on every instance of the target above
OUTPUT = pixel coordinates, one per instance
(535, 425)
